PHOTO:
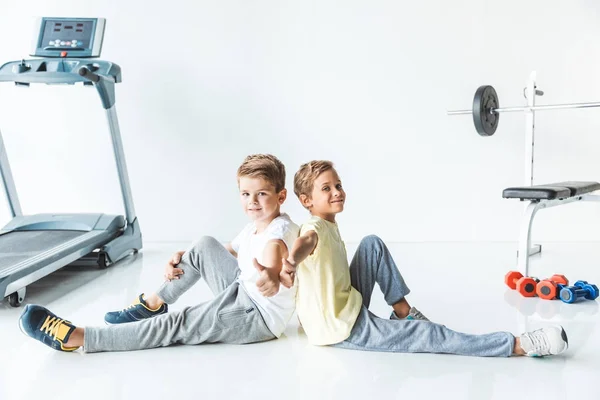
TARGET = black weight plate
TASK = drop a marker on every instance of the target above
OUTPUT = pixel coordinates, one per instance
(484, 100)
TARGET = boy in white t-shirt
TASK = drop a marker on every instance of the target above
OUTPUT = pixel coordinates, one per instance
(249, 306)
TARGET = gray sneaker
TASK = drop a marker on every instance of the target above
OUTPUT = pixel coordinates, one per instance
(545, 342)
(412, 314)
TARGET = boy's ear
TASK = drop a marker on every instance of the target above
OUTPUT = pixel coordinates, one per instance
(282, 196)
(305, 201)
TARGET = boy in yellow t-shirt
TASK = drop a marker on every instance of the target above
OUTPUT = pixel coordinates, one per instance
(333, 298)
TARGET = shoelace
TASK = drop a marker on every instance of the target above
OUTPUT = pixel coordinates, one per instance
(52, 325)
(131, 306)
(417, 314)
(539, 341)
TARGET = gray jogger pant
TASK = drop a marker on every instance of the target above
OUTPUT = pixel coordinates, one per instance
(231, 317)
(372, 263)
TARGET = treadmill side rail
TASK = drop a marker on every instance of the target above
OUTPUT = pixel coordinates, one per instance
(129, 242)
(66, 222)
(22, 274)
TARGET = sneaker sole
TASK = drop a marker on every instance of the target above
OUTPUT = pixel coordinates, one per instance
(563, 335)
(121, 323)
(137, 320)
(21, 327)
(128, 322)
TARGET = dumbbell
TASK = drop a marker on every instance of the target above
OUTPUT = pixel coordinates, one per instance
(549, 289)
(522, 284)
(580, 291)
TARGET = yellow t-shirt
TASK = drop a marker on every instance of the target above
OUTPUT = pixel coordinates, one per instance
(326, 302)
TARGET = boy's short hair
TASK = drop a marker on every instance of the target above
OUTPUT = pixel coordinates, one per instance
(307, 174)
(264, 166)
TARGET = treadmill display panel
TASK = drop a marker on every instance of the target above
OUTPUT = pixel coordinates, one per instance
(74, 37)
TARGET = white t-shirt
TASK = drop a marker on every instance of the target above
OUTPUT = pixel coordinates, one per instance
(276, 310)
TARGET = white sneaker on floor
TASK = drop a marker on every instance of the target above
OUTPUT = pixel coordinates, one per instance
(545, 342)
(412, 314)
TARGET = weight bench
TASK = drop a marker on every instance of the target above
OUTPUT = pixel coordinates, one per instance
(545, 196)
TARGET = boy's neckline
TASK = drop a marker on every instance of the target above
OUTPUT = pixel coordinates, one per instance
(255, 230)
(323, 219)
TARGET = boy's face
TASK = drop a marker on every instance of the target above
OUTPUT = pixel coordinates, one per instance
(327, 197)
(259, 199)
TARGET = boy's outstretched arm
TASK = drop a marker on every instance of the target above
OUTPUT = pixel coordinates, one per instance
(303, 247)
(274, 252)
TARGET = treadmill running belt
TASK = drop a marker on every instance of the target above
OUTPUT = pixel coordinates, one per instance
(19, 246)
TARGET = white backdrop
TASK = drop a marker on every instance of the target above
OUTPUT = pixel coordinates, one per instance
(363, 83)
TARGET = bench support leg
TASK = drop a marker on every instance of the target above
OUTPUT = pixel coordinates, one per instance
(525, 249)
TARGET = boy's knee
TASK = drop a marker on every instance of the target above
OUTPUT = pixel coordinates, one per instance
(371, 240)
(205, 242)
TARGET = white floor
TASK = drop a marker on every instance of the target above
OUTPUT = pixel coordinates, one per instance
(460, 285)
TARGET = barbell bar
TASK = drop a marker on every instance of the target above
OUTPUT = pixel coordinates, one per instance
(486, 109)
(534, 108)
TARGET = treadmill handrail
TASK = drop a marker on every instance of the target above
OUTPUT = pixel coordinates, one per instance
(104, 75)
(8, 182)
(51, 71)
(49, 78)
(117, 143)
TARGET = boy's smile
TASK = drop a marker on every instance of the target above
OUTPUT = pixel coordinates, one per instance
(327, 197)
(260, 201)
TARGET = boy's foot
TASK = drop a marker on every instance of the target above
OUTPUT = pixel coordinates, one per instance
(137, 311)
(412, 314)
(39, 323)
(545, 342)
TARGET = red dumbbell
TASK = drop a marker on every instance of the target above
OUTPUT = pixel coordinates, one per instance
(522, 284)
(548, 289)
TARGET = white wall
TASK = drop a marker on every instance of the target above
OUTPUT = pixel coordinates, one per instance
(363, 83)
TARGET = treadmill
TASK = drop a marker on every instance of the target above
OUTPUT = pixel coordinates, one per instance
(33, 246)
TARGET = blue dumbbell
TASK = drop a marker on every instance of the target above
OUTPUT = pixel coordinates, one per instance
(580, 291)
(593, 289)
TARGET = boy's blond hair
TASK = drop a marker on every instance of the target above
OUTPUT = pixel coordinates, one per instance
(307, 174)
(264, 166)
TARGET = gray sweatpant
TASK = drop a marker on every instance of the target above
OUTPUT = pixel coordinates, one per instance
(372, 263)
(231, 317)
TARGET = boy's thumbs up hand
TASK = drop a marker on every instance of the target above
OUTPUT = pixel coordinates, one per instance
(268, 283)
(288, 273)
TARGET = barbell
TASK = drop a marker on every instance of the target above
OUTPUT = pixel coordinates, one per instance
(486, 109)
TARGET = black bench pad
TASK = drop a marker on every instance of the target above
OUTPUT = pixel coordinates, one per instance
(551, 191)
